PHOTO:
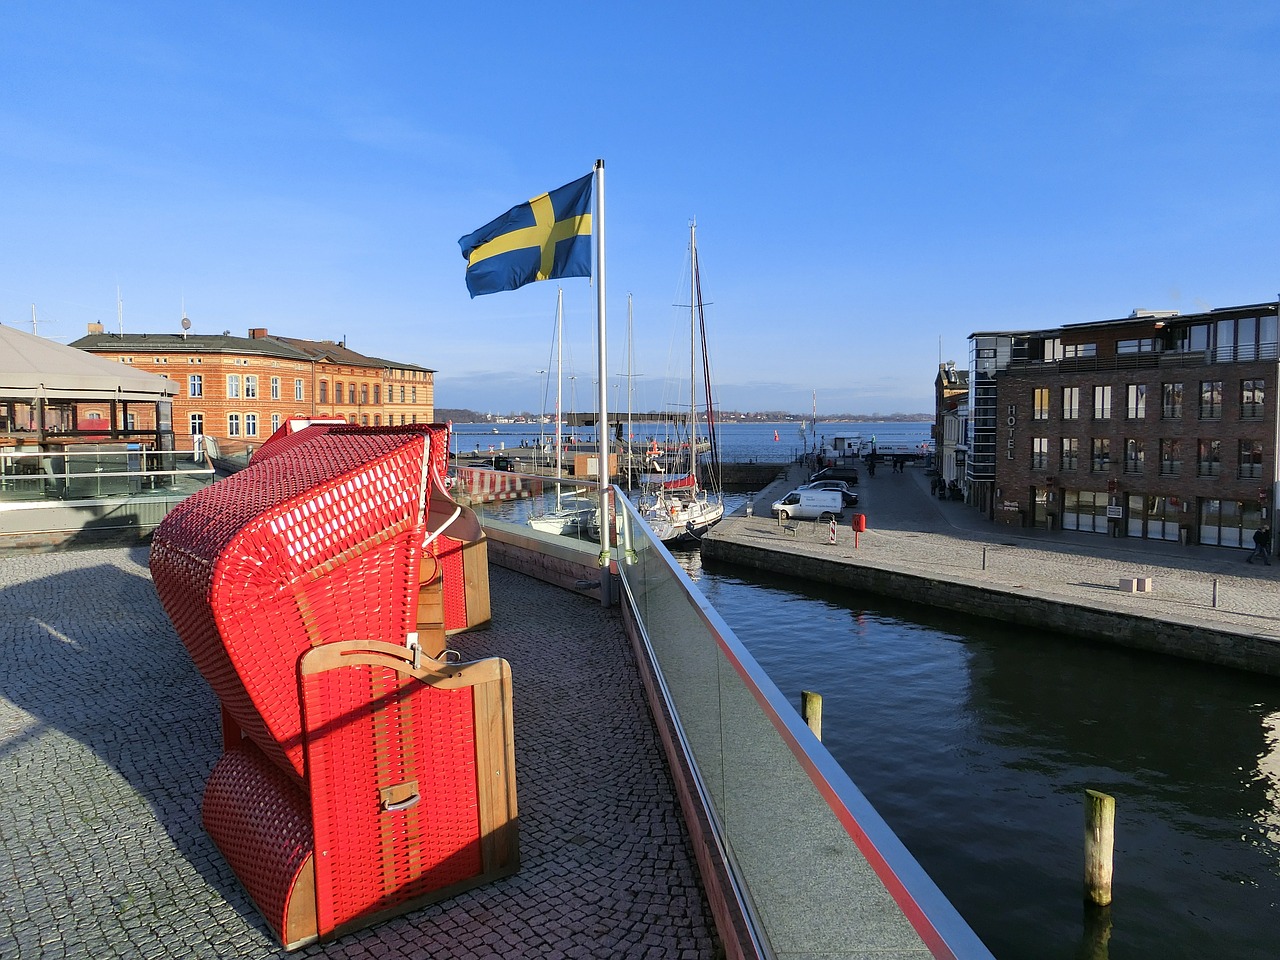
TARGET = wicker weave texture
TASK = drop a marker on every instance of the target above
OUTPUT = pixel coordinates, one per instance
(379, 737)
(260, 820)
(320, 542)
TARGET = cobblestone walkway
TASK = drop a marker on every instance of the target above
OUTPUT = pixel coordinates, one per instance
(107, 734)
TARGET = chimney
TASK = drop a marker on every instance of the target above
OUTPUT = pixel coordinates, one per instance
(95, 328)
(257, 333)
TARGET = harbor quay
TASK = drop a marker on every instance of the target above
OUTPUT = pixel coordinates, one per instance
(1199, 602)
(108, 733)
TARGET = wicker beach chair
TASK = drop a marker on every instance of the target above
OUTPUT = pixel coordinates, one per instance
(361, 777)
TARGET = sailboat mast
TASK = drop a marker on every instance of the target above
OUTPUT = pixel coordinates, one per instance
(693, 339)
(631, 439)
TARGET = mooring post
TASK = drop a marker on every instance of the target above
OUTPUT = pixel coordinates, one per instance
(1215, 593)
(811, 711)
(1099, 843)
(984, 558)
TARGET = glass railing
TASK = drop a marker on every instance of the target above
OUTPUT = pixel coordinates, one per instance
(787, 818)
(91, 471)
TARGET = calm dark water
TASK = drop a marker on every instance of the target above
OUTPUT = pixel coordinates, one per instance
(977, 742)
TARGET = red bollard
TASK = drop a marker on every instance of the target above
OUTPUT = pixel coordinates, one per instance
(859, 524)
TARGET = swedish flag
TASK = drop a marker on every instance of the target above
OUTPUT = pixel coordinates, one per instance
(547, 238)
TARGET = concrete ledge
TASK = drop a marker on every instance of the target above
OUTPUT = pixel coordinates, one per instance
(1192, 639)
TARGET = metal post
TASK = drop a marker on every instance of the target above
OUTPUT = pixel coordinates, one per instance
(602, 425)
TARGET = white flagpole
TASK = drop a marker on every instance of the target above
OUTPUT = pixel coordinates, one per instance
(602, 425)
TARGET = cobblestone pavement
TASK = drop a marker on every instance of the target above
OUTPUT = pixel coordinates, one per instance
(107, 734)
(908, 529)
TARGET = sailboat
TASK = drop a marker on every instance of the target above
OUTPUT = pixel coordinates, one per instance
(684, 507)
(572, 515)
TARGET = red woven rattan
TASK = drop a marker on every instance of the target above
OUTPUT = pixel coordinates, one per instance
(320, 542)
(293, 584)
(453, 577)
(372, 729)
(259, 819)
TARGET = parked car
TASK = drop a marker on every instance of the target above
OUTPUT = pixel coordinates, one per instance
(850, 498)
(809, 505)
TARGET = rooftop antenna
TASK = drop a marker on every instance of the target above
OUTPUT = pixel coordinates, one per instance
(186, 324)
(34, 321)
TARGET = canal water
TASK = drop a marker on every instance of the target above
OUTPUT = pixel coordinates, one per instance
(977, 742)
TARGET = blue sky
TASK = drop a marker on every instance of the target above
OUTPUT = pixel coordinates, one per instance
(872, 182)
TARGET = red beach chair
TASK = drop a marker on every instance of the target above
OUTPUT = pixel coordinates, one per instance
(361, 778)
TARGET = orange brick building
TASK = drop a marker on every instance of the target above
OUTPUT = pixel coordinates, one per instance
(240, 389)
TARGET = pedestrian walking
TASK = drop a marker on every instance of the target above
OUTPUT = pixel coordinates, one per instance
(1261, 545)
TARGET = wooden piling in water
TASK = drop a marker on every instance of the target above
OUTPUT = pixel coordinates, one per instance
(1099, 844)
(811, 711)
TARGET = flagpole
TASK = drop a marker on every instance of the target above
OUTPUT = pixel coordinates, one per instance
(602, 425)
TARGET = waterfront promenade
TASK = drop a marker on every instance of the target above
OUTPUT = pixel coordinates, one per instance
(107, 734)
(912, 532)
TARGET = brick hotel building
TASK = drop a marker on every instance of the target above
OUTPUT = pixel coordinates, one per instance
(240, 389)
(1160, 425)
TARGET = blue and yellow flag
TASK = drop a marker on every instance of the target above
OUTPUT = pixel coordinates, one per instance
(547, 238)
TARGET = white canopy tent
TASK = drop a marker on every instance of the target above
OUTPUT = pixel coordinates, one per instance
(33, 367)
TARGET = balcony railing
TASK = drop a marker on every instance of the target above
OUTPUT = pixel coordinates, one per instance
(97, 471)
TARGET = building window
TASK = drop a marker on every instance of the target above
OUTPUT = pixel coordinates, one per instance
(1072, 350)
(1171, 401)
(275, 388)
(297, 390)
(1250, 459)
(1101, 454)
(1252, 393)
(1144, 345)
(364, 393)
(337, 391)
(1070, 403)
(233, 386)
(275, 422)
(351, 394)
(233, 424)
(377, 394)
(1102, 403)
(1210, 399)
(250, 387)
(351, 418)
(196, 424)
(413, 393)
(1040, 403)
(364, 419)
(1170, 457)
(324, 391)
(1039, 453)
(1209, 458)
(195, 385)
(1070, 453)
(250, 424)
(1136, 401)
(402, 393)
(1134, 456)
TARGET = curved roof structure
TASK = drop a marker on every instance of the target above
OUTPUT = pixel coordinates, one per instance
(33, 366)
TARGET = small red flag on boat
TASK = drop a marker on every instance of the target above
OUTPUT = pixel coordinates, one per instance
(775, 436)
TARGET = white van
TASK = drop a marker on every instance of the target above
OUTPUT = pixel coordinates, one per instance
(809, 504)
